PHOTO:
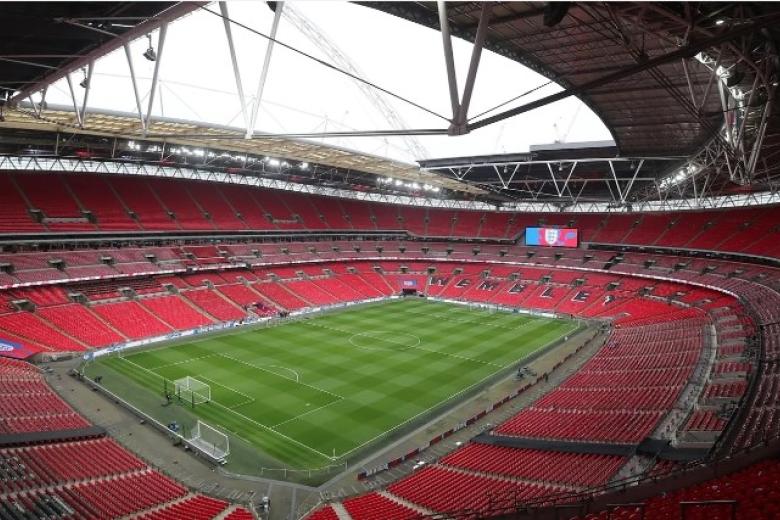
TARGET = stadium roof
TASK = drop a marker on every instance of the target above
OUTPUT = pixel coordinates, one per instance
(44, 39)
(628, 62)
(686, 91)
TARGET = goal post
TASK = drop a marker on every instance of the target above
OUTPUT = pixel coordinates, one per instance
(210, 441)
(192, 391)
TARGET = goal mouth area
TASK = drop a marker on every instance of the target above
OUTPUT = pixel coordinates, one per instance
(191, 390)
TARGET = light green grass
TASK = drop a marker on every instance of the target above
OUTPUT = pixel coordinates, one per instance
(308, 392)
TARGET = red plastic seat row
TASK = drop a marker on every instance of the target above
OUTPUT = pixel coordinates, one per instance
(443, 489)
(214, 304)
(756, 490)
(544, 466)
(705, 420)
(582, 425)
(198, 507)
(175, 312)
(131, 319)
(374, 506)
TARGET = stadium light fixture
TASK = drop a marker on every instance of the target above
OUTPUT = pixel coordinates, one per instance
(720, 21)
(149, 54)
(84, 82)
(304, 166)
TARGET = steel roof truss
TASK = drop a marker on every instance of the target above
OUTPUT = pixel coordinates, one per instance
(155, 75)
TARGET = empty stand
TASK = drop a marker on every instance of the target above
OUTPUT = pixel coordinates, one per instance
(131, 319)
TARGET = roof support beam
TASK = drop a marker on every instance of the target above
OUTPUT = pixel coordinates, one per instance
(684, 52)
(568, 177)
(155, 74)
(617, 183)
(449, 60)
(476, 53)
(506, 182)
(688, 80)
(75, 103)
(555, 182)
(234, 61)
(708, 88)
(633, 179)
(135, 86)
(39, 107)
(264, 72)
(87, 88)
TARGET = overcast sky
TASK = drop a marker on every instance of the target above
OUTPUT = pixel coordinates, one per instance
(197, 82)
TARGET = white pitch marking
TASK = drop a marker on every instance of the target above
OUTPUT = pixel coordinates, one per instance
(278, 375)
(249, 399)
(306, 413)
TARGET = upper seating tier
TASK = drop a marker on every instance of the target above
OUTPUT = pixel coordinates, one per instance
(167, 204)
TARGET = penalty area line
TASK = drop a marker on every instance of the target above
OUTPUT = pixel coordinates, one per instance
(256, 367)
(249, 399)
(190, 360)
(270, 429)
(307, 413)
(248, 419)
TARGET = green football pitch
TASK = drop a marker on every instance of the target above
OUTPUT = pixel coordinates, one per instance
(309, 392)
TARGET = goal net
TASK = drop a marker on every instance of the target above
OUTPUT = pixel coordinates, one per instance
(191, 390)
(210, 441)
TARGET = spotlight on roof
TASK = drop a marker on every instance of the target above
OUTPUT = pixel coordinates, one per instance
(84, 82)
(149, 54)
(720, 21)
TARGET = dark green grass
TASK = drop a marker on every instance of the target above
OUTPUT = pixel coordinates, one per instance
(311, 391)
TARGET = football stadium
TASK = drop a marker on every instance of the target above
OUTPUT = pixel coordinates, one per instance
(389, 260)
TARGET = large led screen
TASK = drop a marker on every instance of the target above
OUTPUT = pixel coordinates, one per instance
(556, 237)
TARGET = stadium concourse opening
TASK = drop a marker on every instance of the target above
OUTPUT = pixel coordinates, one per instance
(312, 278)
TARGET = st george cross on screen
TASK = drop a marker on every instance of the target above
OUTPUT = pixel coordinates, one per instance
(556, 237)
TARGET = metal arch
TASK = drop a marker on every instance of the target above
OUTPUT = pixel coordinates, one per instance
(317, 37)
